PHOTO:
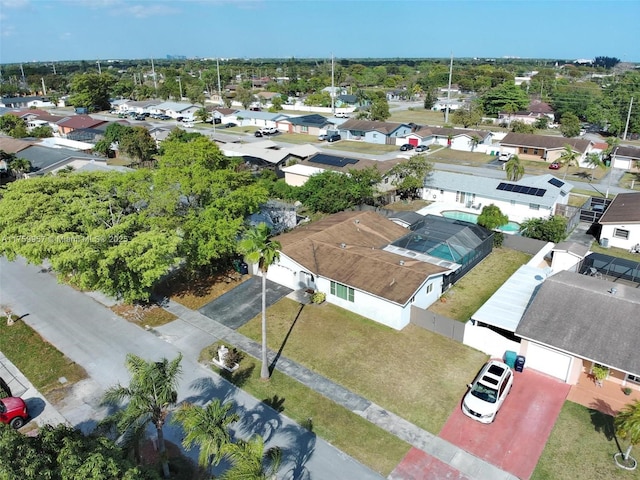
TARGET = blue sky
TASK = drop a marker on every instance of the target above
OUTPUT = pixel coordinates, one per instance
(48, 30)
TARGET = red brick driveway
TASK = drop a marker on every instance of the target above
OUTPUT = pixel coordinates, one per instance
(515, 441)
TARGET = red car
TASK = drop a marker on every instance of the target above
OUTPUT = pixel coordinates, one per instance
(554, 166)
(13, 411)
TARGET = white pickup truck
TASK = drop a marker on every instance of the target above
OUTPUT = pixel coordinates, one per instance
(268, 130)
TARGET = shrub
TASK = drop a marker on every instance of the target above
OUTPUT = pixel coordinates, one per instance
(318, 297)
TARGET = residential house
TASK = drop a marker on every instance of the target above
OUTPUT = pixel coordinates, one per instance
(528, 118)
(46, 159)
(268, 154)
(383, 133)
(626, 158)
(136, 106)
(257, 119)
(76, 122)
(26, 102)
(14, 145)
(599, 325)
(313, 124)
(530, 197)
(620, 224)
(454, 138)
(225, 115)
(345, 256)
(346, 100)
(441, 104)
(175, 109)
(544, 148)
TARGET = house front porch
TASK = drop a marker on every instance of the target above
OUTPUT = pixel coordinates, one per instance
(608, 399)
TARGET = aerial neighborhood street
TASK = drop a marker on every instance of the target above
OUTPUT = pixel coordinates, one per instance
(288, 253)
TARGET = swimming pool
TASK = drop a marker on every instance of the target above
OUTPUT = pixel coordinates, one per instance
(511, 227)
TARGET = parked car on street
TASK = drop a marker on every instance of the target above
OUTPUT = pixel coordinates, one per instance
(554, 166)
(322, 137)
(341, 115)
(422, 148)
(230, 125)
(268, 130)
(505, 157)
(13, 411)
(334, 137)
(406, 147)
(487, 392)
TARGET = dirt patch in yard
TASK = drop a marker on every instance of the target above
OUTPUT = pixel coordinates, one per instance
(144, 314)
(196, 292)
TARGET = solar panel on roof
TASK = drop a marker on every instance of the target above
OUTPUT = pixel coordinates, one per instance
(541, 192)
(556, 183)
(332, 160)
(510, 187)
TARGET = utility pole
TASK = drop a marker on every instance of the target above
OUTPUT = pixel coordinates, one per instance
(180, 83)
(153, 72)
(626, 127)
(219, 86)
(44, 87)
(333, 89)
(53, 65)
(99, 69)
(446, 112)
(613, 161)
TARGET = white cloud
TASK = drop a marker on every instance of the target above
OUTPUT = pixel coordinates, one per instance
(144, 11)
(7, 30)
(14, 3)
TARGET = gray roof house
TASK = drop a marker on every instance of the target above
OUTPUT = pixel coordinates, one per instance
(542, 147)
(530, 197)
(373, 131)
(626, 158)
(45, 159)
(599, 324)
(620, 224)
(312, 124)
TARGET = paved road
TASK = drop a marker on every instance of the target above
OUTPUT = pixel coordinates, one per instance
(92, 336)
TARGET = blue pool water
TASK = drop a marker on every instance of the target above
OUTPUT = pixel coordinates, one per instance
(511, 227)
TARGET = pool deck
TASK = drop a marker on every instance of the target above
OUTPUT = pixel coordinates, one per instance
(436, 208)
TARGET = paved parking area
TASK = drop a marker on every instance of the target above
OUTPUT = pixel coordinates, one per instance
(515, 441)
(419, 465)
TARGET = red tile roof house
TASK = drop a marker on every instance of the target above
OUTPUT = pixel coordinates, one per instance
(544, 148)
(69, 124)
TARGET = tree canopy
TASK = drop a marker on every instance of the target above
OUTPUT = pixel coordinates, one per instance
(409, 176)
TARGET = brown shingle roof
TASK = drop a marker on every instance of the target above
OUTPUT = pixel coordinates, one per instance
(13, 145)
(80, 121)
(626, 151)
(625, 208)
(544, 142)
(454, 132)
(347, 247)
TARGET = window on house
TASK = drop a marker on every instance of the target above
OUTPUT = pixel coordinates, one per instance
(513, 202)
(525, 150)
(534, 206)
(633, 378)
(304, 129)
(441, 192)
(536, 151)
(342, 291)
(429, 288)
(620, 233)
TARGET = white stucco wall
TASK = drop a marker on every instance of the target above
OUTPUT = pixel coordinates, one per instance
(634, 235)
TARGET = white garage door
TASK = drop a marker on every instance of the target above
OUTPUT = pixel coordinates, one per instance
(548, 361)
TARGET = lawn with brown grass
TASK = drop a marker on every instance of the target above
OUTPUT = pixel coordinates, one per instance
(196, 292)
(476, 287)
(144, 315)
(37, 359)
(407, 205)
(416, 374)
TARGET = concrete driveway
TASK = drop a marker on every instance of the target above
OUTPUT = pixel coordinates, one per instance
(238, 306)
(515, 441)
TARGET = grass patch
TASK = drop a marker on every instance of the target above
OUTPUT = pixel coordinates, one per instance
(360, 147)
(447, 155)
(296, 138)
(372, 360)
(407, 205)
(631, 181)
(474, 289)
(615, 252)
(37, 359)
(580, 446)
(196, 292)
(347, 431)
(142, 315)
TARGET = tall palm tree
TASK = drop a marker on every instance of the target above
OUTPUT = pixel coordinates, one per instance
(20, 166)
(514, 169)
(206, 427)
(568, 158)
(249, 460)
(258, 248)
(627, 424)
(151, 395)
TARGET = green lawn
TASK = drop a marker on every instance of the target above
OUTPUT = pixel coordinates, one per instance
(477, 286)
(581, 447)
(411, 373)
(364, 441)
(37, 359)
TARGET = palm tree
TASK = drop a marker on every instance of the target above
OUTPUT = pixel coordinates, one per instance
(151, 395)
(514, 169)
(250, 460)
(206, 427)
(20, 166)
(257, 248)
(627, 424)
(568, 158)
(475, 140)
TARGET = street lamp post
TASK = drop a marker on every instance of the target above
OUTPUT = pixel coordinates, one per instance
(613, 161)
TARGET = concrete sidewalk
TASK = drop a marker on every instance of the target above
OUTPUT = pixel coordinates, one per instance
(193, 324)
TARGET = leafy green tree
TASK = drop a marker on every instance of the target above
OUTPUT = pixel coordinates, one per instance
(520, 127)
(492, 217)
(569, 125)
(568, 158)
(319, 99)
(42, 131)
(258, 248)
(202, 114)
(245, 97)
(379, 109)
(207, 427)
(138, 143)
(64, 453)
(627, 423)
(514, 169)
(504, 97)
(151, 395)
(92, 91)
(19, 166)
(409, 176)
(276, 104)
(250, 460)
(542, 123)
(13, 126)
(430, 99)
(553, 229)
(471, 115)
(331, 192)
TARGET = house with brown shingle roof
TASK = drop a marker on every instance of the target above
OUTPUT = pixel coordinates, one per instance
(384, 133)
(626, 158)
(621, 222)
(76, 122)
(350, 257)
(543, 147)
